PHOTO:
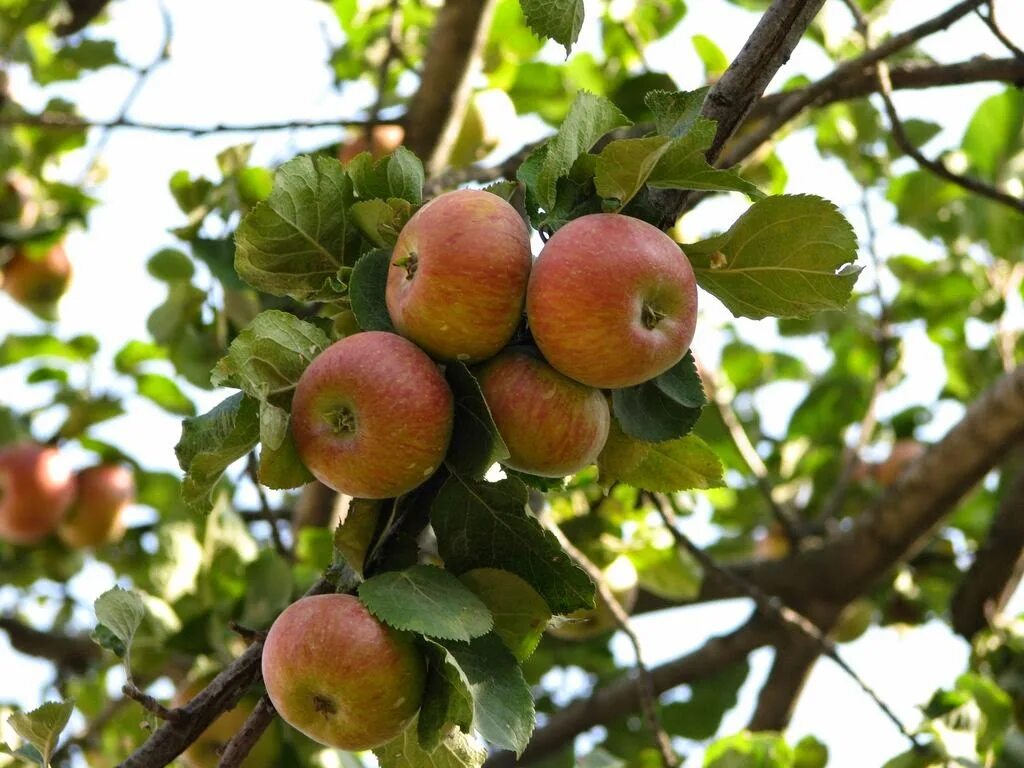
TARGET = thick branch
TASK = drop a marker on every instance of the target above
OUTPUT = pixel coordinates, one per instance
(999, 563)
(241, 743)
(76, 654)
(436, 111)
(790, 669)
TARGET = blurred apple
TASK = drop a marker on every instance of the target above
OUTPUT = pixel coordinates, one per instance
(385, 139)
(37, 281)
(102, 493)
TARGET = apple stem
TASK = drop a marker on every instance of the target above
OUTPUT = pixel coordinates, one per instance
(651, 316)
(409, 262)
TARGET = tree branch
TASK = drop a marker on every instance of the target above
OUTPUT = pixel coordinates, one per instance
(241, 743)
(150, 704)
(266, 512)
(990, 21)
(790, 668)
(65, 122)
(74, 653)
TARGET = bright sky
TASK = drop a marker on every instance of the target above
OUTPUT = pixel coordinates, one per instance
(230, 63)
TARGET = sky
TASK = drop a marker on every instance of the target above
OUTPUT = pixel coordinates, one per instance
(230, 63)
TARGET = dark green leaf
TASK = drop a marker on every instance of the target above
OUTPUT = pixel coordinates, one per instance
(682, 165)
(366, 291)
(476, 443)
(447, 700)
(664, 408)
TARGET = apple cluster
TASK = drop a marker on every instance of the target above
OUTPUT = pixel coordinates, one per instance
(41, 495)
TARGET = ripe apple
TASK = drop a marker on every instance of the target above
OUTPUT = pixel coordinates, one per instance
(102, 493)
(612, 301)
(36, 489)
(204, 752)
(622, 579)
(458, 275)
(372, 416)
(385, 139)
(339, 676)
(37, 283)
(553, 426)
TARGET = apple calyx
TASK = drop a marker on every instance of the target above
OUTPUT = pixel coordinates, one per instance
(324, 706)
(409, 262)
(343, 421)
(651, 316)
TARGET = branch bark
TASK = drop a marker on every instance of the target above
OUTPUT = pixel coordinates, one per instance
(790, 668)
(73, 653)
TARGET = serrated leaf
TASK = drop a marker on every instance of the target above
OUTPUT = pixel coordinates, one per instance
(210, 443)
(447, 700)
(476, 443)
(355, 533)
(427, 600)
(675, 111)
(520, 614)
(294, 243)
(589, 118)
(456, 750)
(381, 220)
(120, 613)
(674, 465)
(481, 525)
(559, 20)
(42, 726)
(503, 709)
(367, 287)
(683, 165)
(665, 408)
(787, 256)
(624, 166)
(405, 176)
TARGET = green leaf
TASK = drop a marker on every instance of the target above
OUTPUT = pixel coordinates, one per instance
(405, 176)
(456, 750)
(993, 136)
(295, 242)
(42, 727)
(427, 600)
(714, 59)
(16, 348)
(699, 717)
(170, 265)
(624, 166)
(135, 353)
(503, 710)
(675, 465)
(268, 582)
(663, 568)
(480, 525)
(476, 443)
(520, 614)
(85, 411)
(749, 750)
(212, 442)
(367, 287)
(664, 408)
(787, 256)
(447, 700)
(683, 165)
(120, 613)
(675, 111)
(163, 391)
(810, 753)
(589, 118)
(381, 220)
(282, 467)
(559, 20)
(355, 533)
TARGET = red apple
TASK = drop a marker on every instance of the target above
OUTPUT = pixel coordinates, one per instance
(372, 416)
(102, 493)
(339, 676)
(553, 426)
(384, 139)
(458, 275)
(38, 283)
(36, 489)
(612, 301)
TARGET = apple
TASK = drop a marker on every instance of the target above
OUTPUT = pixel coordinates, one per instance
(36, 489)
(622, 579)
(854, 621)
(612, 301)
(372, 416)
(339, 676)
(205, 751)
(458, 275)
(553, 426)
(102, 493)
(38, 282)
(384, 139)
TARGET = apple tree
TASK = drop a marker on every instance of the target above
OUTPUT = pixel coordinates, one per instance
(478, 401)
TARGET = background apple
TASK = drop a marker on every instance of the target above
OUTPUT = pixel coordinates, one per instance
(36, 489)
(372, 416)
(38, 281)
(612, 301)
(458, 275)
(102, 493)
(204, 752)
(385, 139)
(553, 426)
(339, 676)
(622, 578)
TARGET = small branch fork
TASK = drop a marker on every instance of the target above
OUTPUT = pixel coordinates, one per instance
(989, 18)
(150, 704)
(644, 682)
(774, 608)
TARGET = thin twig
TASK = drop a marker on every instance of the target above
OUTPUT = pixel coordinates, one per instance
(247, 633)
(394, 30)
(150, 704)
(241, 743)
(644, 683)
(990, 21)
(62, 121)
(771, 607)
(252, 468)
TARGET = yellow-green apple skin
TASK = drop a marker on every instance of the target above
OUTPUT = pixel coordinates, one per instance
(622, 579)
(38, 283)
(372, 416)
(36, 489)
(612, 301)
(204, 752)
(339, 676)
(102, 493)
(553, 426)
(458, 276)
